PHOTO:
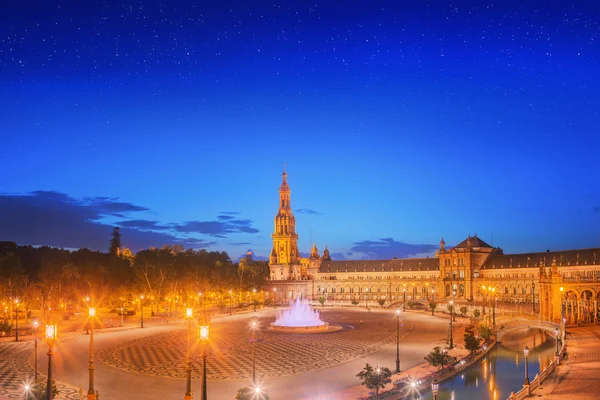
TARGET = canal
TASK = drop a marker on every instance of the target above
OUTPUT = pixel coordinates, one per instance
(502, 370)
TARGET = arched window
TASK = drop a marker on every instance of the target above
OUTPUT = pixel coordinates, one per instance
(454, 274)
(476, 274)
(461, 273)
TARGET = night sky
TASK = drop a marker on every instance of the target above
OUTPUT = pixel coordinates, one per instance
(399, 123)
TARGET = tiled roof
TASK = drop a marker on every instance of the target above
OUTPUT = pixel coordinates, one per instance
(400, 264)
(475, 242)
(565, 257)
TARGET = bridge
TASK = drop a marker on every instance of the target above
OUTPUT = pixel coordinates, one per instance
(513, 326)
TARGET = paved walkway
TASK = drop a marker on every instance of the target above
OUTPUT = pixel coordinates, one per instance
(577, 377)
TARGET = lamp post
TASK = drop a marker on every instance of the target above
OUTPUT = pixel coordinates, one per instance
(254, 326)
(494, 300)
(367, 298)
(443, 358)
(484, 299)
(404, 298)
(435, 386)
(563, 320)
(142, 311)
(451, 316)
(36, 325)
(17, 320)
(203, 339)
(397, 339)
(533, 296)
(51, 334)
(122, 312)
(254, 298)
(526, 352)
(91, 394)
(188, 387)
(230, 300)
(432, 300)
(556, 336)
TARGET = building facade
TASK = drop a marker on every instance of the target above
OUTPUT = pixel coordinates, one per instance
(555, 284)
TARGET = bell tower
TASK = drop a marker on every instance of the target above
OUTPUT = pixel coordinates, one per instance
(285, 238)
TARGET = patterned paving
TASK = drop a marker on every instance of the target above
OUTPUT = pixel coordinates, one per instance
(16, 369)
(229, 354)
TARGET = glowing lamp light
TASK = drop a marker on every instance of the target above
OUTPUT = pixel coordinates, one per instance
(92, 312)
(142, 297)
(87, 299)
(526, 351)
(556, 331)
(204, 332)
(398, 311)
(51, 331)
(257, 390)
(35, 323)
(562, 289)
(188, 312)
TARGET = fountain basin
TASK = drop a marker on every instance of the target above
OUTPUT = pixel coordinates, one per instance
(304, 329)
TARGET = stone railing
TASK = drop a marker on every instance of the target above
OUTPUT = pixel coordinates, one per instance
(537, 381)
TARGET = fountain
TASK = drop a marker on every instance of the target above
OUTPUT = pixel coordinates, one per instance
(301, 318)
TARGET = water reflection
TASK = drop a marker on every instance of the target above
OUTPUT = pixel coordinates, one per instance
(502, 371)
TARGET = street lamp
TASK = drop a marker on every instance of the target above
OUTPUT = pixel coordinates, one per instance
(397, 339)
(556, 336)
(563, 307)
(51, 335)
(254, 298)
(526, 352)
(432, 300)
(451, 316)
(495, 299)
(17, 320)
(188, 388)
(254, 326)
(443, 358)
(91, 394)
(203, 339)
(435, 386)
(142, 311)
(36, 325)
(230, 300)
(404, 297)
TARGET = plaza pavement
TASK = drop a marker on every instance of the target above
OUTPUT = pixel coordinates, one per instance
(115, 383)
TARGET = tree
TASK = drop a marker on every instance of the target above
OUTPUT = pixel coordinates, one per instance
(354, 302)
(472, 342)
(432, 305)
(410, 304)
(247, 393)
(476, 314)
(485, 331)
(375, 379)
(381, 302)
(322, 301)
(463, 311)
(450, 308)
(115, 242)
(437, 357)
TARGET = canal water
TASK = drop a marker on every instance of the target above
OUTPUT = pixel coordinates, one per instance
(502, 370)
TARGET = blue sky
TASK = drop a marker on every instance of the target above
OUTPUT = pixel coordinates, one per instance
(398, 124)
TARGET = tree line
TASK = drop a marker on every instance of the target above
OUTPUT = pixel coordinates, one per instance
(49, 278)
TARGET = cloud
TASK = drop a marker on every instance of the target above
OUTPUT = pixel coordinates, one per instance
(388, 248)
(338, 256)
(307, 211)
(216, 228)
(57, 219)
(241, 243)
(229, 212)
(142, 224)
